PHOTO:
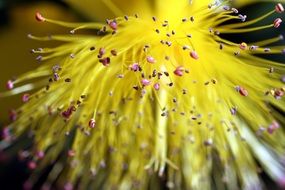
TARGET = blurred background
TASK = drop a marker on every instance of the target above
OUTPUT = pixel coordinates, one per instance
(17, 20)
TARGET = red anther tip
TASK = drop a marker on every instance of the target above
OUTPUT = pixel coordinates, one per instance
(243, 91)
(9, 85)
(194, 55)
(279, 8)
(179, 71)
(156, 86)
(39, 17)
(92, 123)
(40, 154)
(243, 46)
(32, 165)
(277, 22)
(25, 98)
(145, 82)
(71, 153)
(150, 59)
(113, 25)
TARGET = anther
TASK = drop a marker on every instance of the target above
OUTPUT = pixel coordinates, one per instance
(166, 73)
(9, 85)
(55, 77)
(72, 56)
(279, 8)
(120, 76)
(102, 51)
(233, 110)
(154, 18)
(194, 55)
(150, 59)
(253, 47)
(168, 43)
(179, 71)
(67, 80)
(145, 82)
(235, 10)
(39, 58)
(105, 61)
(113, 24)
(242, 91)
(208, 142)
(185, 47)
(237, 53)
(40, 154)
(266, 50)
(278, 94)
(134, 67)
(192, 19)
(243, 46)
(277, 22)
(114, 52)
(242, 17)
(136, 87)
(13, 115)
(39, 17)
(92, 123)
(25, 97)
(272, 127)
(156, 86)
(32, 165)
(226, 8)
(71, 153)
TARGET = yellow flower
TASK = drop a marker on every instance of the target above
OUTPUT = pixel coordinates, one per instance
(157, 93)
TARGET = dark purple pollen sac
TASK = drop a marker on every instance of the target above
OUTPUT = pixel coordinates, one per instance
(114, 52)
(66, 114)
(13, 115)
(278, 93)
(55, 76)
(102, 51)
(92, 123)
(105, 61)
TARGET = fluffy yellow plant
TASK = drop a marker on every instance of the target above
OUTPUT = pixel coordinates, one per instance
(160, 93)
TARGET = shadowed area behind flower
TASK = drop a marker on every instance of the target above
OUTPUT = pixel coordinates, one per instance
(148, 95)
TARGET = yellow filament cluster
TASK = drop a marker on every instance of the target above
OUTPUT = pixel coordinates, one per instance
(208, 122)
